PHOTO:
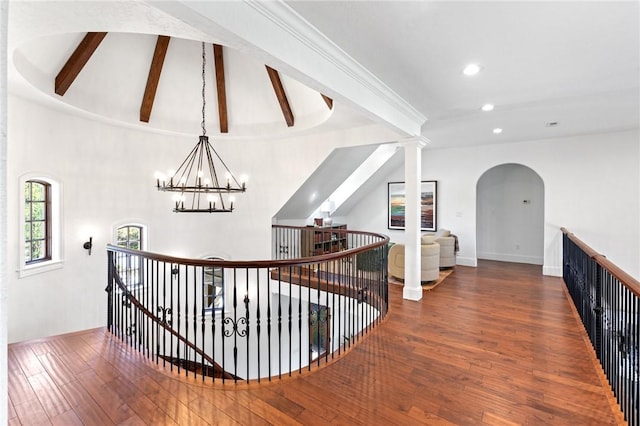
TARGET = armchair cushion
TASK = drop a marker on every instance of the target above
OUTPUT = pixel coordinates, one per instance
(448, 246)
(429, 260)
(442, 233)
(428, 239)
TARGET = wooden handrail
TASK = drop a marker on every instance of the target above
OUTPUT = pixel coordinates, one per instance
(625, 279)
(302, 261)
(359, 301)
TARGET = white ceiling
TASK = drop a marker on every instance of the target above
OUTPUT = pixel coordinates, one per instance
(575, 63)
(113, 81)
(570, 62)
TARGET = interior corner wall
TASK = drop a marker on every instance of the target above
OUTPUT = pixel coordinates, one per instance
(591, 186)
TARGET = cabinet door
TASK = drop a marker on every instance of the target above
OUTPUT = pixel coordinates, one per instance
(307, 237)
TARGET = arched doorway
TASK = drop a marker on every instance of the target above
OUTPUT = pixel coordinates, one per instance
(510, 215)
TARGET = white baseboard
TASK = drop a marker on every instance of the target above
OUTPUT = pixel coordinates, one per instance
(410, 293)
(467, 261)
(508, 257)
(552, 271)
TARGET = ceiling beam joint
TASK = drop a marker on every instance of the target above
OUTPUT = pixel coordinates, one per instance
(162, 44)
(328, 101)
(77, 61)
(221, 88)
(278, 88)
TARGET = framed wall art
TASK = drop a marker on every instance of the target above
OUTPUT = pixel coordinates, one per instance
(428, 204)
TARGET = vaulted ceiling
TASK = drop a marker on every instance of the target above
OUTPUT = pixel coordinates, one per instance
(111, 74)
(575, 64)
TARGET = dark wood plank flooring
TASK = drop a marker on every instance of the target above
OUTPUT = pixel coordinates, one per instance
(493, 345)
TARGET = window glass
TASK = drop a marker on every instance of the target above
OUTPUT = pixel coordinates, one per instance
(37, 222)
(213, 287)
(130, 236)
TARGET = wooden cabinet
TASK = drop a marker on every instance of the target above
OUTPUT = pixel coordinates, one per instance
(322, 240)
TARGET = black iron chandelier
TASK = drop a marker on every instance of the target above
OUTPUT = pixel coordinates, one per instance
(198, 187)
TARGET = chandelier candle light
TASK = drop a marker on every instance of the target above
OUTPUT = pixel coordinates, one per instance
(197, 175)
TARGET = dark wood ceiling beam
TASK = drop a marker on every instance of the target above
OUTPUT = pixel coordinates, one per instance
(281, 95)
(77, 61)
(221, 88)
(162, 44)
(328, 101)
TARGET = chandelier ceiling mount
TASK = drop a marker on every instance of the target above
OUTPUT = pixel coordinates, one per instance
(197, 185)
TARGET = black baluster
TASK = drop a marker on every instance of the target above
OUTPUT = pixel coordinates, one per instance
(280, 320)
(258, 316)
(310, 271)
(109, 290)
(269, 323)
(202, 322)
(213, 328)
(186, 352)
(246, 307)
(290, 313)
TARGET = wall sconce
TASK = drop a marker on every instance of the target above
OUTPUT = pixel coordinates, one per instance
(88, 245)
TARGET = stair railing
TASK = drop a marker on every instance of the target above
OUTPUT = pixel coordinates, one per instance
(246, 321)
(607, 300)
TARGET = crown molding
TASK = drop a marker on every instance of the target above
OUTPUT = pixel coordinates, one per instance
(290, 21)
(283, 38)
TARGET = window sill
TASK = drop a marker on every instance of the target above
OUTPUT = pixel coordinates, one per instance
(38, 268)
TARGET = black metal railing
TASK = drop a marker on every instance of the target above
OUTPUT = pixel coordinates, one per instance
(607, 300)
(245, 321)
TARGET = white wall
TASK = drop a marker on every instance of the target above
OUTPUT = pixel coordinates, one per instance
(591, 188)
(107, 177)
(510, 215)
(4, 302)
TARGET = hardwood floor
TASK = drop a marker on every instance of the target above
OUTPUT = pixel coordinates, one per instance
(494, 345)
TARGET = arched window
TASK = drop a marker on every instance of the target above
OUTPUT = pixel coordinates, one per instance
(213, 287)
(131, 236)
(40, 232)
(37, 221)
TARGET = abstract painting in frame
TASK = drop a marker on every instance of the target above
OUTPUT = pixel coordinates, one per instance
(428, 204)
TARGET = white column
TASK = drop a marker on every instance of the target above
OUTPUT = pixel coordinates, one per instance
(4, 14)
(412, 177)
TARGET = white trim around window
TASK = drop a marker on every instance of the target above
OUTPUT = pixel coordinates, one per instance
(134, 269)
(131, 222)
(56, 261)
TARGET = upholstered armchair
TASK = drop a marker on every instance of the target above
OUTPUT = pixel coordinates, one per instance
(429, 260)
(448, 246)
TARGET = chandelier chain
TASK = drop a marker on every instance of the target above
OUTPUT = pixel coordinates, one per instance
(197, 178)
(204, 130)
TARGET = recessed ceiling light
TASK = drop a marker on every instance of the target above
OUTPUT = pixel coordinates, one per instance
(487, 107)
(471, 69)
(497, 130)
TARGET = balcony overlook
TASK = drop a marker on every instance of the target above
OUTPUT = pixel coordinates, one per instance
(497, 344)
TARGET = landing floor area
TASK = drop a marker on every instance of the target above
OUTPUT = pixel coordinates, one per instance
(495, 345)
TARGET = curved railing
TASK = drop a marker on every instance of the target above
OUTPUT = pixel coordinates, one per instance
(608, 302)
(245, 321)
